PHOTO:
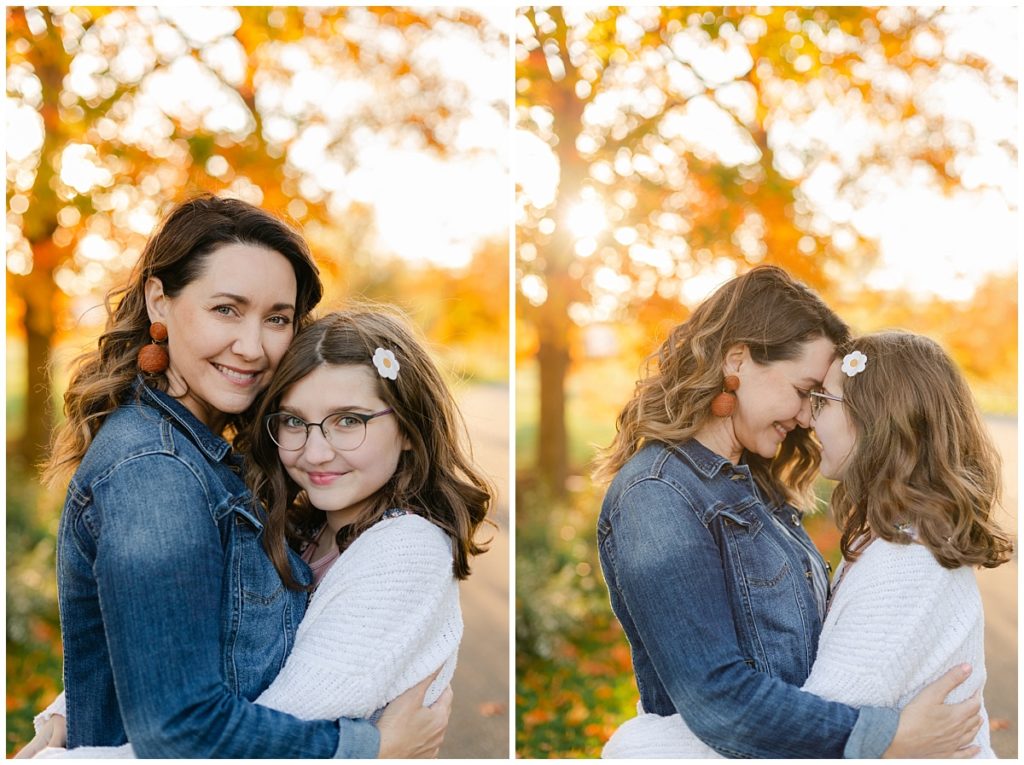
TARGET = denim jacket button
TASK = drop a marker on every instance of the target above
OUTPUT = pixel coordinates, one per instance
(739, 477)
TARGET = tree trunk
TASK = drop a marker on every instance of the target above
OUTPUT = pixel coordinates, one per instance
(553, 316)
(38, 291)
(553, 360)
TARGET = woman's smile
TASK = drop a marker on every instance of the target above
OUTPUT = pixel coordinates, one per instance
(237, 376)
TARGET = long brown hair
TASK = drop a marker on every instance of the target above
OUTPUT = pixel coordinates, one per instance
(435, 477)
(774, 316)
(923, 456)
(176, 254)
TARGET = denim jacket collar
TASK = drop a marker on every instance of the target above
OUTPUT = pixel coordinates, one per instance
(215, 447)
(704, 461)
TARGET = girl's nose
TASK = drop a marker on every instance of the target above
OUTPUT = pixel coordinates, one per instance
(318, 449)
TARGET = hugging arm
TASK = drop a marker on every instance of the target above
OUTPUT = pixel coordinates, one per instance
(384, 618)
(159, 568)
(736, 710)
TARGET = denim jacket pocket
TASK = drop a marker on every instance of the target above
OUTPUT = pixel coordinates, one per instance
(263, 614)
(775, 629)
(761, 561)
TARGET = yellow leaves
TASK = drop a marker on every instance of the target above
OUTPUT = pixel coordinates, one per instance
(576, 714)
(622, 657)
(537, 716)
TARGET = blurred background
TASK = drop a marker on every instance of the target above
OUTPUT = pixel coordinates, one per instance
(381, 132)
(658, 152)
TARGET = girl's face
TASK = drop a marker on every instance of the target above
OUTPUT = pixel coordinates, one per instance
(340, 482)
(836, 433)
(228, 329)
(774, 398)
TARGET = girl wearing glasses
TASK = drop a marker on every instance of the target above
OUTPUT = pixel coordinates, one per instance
(718, 588)
(360, 466)
(357, 460)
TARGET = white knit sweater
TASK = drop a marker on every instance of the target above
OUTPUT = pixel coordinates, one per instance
(897, 621)
(385, 616)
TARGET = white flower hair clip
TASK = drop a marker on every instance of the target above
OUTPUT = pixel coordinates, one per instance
(386, 363)
(854, 363)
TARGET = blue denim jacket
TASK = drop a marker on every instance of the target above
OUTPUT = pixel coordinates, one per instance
(171, 613)
(715, 592)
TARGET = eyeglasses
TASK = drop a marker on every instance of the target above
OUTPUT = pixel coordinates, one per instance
(818, 399)
(344, 431)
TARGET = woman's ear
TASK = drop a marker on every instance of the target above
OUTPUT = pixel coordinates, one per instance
(736, 357)
(156, 300)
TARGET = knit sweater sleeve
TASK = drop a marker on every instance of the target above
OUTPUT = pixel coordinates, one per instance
(895, 625)
(384, 617)
(58, 706)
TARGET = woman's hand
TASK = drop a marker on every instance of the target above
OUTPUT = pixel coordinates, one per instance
(930, 728)
(410, 730)
(53, 732)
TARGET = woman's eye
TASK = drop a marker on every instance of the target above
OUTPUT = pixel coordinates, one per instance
(347, 421)
(280, 321)
(225, 310)
(293, 422)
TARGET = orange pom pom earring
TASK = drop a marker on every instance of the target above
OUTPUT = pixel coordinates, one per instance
(724, 403)
(153, 358)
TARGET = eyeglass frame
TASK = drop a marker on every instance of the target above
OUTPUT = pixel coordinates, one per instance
(364, 418)
(819, 397)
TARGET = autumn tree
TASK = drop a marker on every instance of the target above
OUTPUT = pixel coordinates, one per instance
(117, 112)
(663, 150)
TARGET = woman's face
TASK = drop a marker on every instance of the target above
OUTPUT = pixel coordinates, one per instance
(339, 482)
(773, 398)
(228, 329)
(833, 428)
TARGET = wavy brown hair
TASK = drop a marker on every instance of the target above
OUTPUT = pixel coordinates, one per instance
(923, 456)
(176, 254)
(774, 316)
(435, 477)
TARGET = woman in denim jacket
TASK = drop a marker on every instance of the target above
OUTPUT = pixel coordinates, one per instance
(172, 615)
(718, 587)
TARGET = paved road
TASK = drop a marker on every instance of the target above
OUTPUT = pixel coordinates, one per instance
(999, 593)
(479, 723)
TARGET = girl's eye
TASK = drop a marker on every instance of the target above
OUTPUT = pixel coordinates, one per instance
(345, 421)
(293, 422)
(803, 392)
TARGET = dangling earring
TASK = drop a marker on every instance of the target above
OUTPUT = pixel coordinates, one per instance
(724, 403)
(153, 358)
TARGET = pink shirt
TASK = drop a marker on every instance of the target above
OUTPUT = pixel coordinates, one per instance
(321, 567)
